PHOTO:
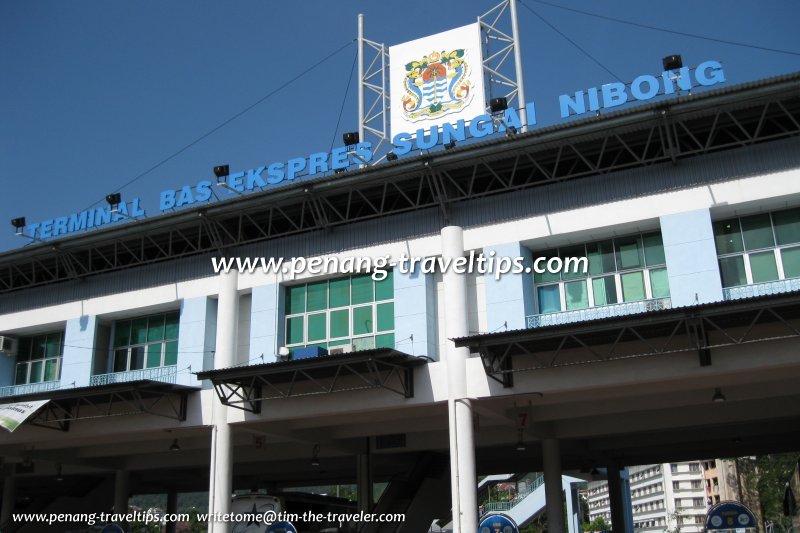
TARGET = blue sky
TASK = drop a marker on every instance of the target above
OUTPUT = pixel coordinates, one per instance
(95, 92)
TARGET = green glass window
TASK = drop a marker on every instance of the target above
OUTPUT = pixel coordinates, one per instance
(549, 299)
(732, 271)
(22, 374)
(601, 257)
(384, 341)
(122, 333)
(362, 320)
(757, 232)
(577, 296)
(659, 283)
(340, 323)
(171, 326)
(362, 289)
(629, 253)
(653, 249)
(385, 316)
(120, 360)
(632, 286)
(763, 266)
(139, 331)
(728, 236)
(295, 330)
(340, 342)
(572, 251)
(623, 269)
(141, 342)
(39, 358)
(317, 327)
(153, 355)
(51, 369)
(171, 353)
(605, 290)
(351, 310)
(545, 277)
(787, 226)
(790, 257)
(317, 296)
(384, 289)
(340, 292)
(155, 329)
(296, 299)
(36, 371)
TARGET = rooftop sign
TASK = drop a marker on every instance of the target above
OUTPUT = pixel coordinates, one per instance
(442, 100)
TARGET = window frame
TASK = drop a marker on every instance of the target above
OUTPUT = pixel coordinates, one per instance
(745, 253)
(588, 280)
(351, 308)
(31, 360)
(129, 346)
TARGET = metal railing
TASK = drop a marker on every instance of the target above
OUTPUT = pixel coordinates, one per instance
(167, 374)
(595, 313)
(29, 388)
(521, 495)
(761, 289)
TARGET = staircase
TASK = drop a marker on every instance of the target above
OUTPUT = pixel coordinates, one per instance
(416, 495)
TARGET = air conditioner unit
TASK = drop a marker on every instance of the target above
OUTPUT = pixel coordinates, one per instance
(337, 350)
(8, 345)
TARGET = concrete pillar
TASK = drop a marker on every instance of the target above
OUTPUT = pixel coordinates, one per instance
(364, 477)
(509, 299)
(121, 491)
(691, 257)
(463, 479)
(617, 489)
(221, 474)
(415, 313)
(551, 457)
(172, 508)
(196, 333)
(266, 326)
(9, 497)
(79, 352)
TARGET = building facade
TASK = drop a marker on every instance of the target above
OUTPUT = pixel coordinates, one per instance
(162, 375)
(665, 497)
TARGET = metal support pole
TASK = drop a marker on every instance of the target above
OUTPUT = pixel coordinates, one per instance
(364, 475)
(121, 491)
(523, 113)
(554, 501)
(172, 508)
(360, 77)
(616, 499)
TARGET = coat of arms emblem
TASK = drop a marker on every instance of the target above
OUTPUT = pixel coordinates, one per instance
(436, 85)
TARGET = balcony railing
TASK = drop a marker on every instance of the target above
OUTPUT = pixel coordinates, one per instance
(762, 289)
(167, 374)
(30, 388)
(506, 506)
(602, 311)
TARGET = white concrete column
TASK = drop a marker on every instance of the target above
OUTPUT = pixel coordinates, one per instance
(463, 479)
(121, 491)
(9, 497)
(551, 457)
(221, 474)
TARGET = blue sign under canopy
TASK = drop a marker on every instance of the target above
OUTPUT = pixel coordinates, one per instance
(730, 515)
(281, 527)
(498, 523)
